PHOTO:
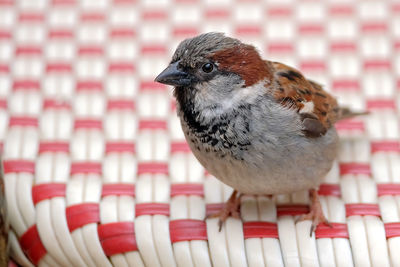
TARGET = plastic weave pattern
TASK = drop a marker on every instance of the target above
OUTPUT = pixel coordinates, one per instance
(96, 169)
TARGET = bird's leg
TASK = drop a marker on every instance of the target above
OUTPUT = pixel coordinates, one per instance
(231, 208)
(316, 214)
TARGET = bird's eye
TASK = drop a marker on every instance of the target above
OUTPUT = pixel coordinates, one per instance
(207, 68)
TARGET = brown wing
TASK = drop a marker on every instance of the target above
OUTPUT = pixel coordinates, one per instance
(318, 109)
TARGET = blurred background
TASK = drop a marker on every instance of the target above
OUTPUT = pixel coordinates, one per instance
(77, 92)
(59, 49)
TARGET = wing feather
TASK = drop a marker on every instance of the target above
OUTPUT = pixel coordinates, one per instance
(318, 109)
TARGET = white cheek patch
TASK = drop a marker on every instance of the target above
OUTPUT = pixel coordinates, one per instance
(308, 107)
(214, 94)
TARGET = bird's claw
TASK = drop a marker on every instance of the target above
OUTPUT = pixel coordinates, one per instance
(316, 215)
(316, 218)
(231, 208)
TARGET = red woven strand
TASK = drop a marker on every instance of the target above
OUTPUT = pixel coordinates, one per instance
(345, 85)
(28, 50)
(89, 86)
(120, 147)
(153, 49)
(341, 9)
(153, 168)
(88, 123)
(310, 28)
(292, 209)
(385, 146)
(154, 15)
(117, 238)
(153, 124)
(374, 26)
(338, 230)
(6, 2)
(11, 166)
(343, 46)
(355, 168)
(63, 2)
(86, 167)
(187, 230)
(152, 86)
(121, 67)
(93, 16)
(90, 50)
(120, 104)
(5, 34)
(118, 190)
(32, 245)
(260, 230)
(248, 30)
(122, 33)
(177, 147)
(350, 125)
(213, 208)
(217, 13)
(376, 64)
(280, 11)
(53, 147)
(152, 209)
(124, 2)
(381, 104)
(281, 47)
(187, 189)
(395, 7)
(329, 190)
(26, 85)
(362, 209)
(46, 191)
(312, 65)
(388, 189)
(31, 17)
(23, 121)
(55, 104)
(392, 229)
(58, 67)
(4, 68)
(82, 214)
(60, 34)
(119, 244)
(184, 31)
(3, 104)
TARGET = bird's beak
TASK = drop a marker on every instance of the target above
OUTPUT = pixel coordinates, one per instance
(173, 76)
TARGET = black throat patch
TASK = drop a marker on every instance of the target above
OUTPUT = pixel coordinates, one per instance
(220, 135)
(185, 97)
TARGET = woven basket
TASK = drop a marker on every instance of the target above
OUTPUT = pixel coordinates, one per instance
(96, 169)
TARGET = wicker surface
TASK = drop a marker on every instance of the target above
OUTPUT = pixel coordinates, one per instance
(96, 169)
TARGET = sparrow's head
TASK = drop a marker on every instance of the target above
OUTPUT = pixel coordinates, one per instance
(214, 66)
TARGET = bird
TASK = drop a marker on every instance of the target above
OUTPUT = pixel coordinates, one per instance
(258, 126)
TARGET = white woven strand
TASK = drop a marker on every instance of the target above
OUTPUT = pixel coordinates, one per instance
(216, 240)
(183, 169)
(53, 231)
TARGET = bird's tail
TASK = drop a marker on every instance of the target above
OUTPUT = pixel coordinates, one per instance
(346, 113)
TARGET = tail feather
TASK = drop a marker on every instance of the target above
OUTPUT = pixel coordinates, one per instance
(346, 113)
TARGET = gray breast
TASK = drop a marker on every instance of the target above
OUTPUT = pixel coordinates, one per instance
(260, 150)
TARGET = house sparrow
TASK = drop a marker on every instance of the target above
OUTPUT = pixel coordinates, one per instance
(258, 126)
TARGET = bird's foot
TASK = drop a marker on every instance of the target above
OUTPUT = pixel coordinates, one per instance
(231, 208)
(316, 214)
